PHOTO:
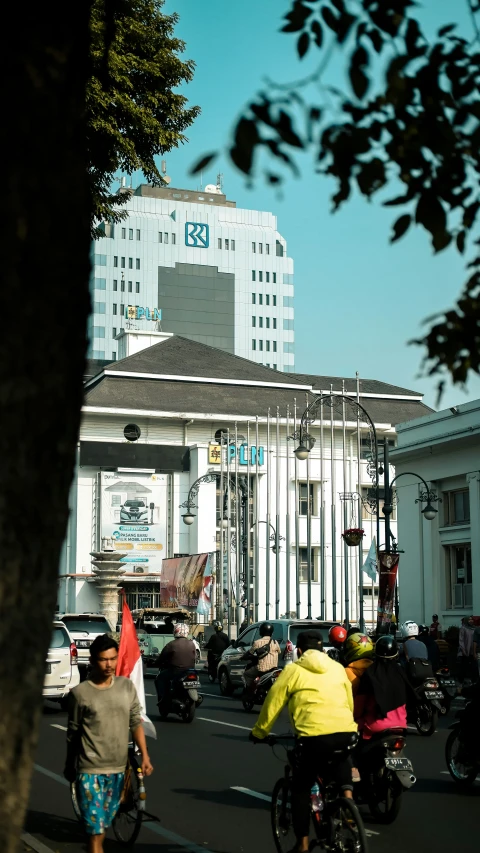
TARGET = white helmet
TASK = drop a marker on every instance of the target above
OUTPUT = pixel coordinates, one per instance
(180, 630)
(409, 629)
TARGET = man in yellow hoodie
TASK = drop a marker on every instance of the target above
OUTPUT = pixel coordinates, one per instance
(320, 703)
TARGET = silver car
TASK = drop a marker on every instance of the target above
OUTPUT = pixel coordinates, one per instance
(84, 627)
(61, 669)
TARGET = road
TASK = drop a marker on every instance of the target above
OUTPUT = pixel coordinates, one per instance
(211, 787)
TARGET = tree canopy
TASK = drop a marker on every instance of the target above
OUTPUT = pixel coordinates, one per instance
(408, 121)
(133, 112)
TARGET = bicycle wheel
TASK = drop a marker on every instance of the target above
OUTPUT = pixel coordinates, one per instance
(281, 816)
(346, 829)
(128, 820)
(460, 765)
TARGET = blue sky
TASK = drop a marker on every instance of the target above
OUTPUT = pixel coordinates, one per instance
(358, 300)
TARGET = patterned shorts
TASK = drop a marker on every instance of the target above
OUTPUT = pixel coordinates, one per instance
(99, 799)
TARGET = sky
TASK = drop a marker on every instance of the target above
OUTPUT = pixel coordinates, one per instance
(358, 299)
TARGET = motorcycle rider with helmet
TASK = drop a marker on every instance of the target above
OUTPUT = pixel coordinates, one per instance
(337, 636)
(216, 645)
(177, 657)
(358, 655)
(412, 646)
(261, 662)
(381, 700)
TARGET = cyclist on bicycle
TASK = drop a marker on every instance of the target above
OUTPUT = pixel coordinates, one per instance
(320, 704)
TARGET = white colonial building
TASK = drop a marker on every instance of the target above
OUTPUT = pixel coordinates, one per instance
(153, 423)
(440, 570)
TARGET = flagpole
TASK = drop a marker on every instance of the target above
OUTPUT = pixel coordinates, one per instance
(333, 512)
(287, 518)
(247, 532)
(220, 574)
(346, 579)
(322, 520)
(267, 526)
(277, 516)
(256, 581)
(297, 522)
(361, 620)
(229, 540)
(238, 538)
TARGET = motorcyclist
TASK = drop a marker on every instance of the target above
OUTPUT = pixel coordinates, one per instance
(177, 657)
(336, 637)
(412, 646)
(260, 659)
(358, 655)
(217, 644)
(381, 700)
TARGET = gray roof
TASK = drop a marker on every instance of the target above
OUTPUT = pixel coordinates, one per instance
(367, 386)
(242, 401)
(93, 367)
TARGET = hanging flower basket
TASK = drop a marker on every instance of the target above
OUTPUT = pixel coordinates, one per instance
(353, 536)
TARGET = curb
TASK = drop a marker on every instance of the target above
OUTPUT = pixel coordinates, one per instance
(35, 844)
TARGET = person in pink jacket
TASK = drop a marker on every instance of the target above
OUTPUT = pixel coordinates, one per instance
(381, 701)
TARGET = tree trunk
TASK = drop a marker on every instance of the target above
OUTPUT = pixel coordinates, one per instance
(45, 247)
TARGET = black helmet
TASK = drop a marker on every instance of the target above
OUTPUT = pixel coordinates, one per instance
(217, 625)
(266, 629)
(422, 629)
(386, 647)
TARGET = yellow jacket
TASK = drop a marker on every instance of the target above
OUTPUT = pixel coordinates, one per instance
(318, 694)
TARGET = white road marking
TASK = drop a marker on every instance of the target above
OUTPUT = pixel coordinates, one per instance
(58, 726)
(35, 844)
(216, 696)
(149, 694)
(259, 796)
(446, 773)
(220, 723)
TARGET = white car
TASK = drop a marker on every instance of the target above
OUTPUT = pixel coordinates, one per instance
(61, 672)
(84, 628)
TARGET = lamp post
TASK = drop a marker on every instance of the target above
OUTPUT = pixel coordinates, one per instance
(428, 497)
(274, 537)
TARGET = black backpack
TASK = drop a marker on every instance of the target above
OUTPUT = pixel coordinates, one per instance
(419, 670)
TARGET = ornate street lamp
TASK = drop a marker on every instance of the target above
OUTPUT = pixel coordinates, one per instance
(189, 504)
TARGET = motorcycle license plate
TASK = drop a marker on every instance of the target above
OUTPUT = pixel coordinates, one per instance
(433, 694)
(449, 684)
(398, 764)
(192, 685)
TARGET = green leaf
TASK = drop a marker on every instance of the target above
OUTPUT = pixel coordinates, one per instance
(329, 18)
(303, 44)
(203, 163)
(376, 38)
(317, 33)
(400, 227)
(358, 78)
(460, 240)
(447, 29)
(431, 214)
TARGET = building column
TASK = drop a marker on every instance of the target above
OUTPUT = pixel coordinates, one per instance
(473, 480)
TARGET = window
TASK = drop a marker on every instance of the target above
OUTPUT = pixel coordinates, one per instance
(137, 287)
(254, 321)
(174, 239)
(303, 556)
(114, 332)
(267, 248)
(130, 263)
(254, 275)
(232, 245)
(227, 244)
(279, 249)
(122, 264)
(267, 299)
(260, 248)
(122, 312)
(260, 345)
(130, 286)
(138, 234)
(267, 322)
(274, 366)
(254, 298)
(368, 496)
(100, 260)
(100, 283)
(288, 325)
(267, 277)
(99, 353)
(457, 507)
(99, 307)
(254, 344)
(160, 237)
(253, 247)
(115, 284)
(165, 237)
(274, 301)
(287, 278)
(260, 275)
(267, 365)
(137, 263)
(275, 347)
(114, 356)
(274, 322)
(124, 233)
(122, 285)
(303, 498)
(219, 242)
(130, 233)
(267, 343)
(260, 299)
(114, 308)
(260, 322)
(288, 346)
(459, 576)
(99, 331)
(288, 301)
(115, 260)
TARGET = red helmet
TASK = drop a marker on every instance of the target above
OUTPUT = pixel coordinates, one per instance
(337, 635)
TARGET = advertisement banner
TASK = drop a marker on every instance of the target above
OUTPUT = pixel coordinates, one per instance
(134, 514)
(388, 565)
(204, 606)
(183, 581)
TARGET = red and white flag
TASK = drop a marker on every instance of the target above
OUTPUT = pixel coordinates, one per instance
(130, 663)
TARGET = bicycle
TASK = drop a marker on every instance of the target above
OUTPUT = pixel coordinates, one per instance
(336, 820)
(127, 822)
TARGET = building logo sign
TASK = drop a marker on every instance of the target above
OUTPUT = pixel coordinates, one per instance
(246, 456)
(197, 235)
(133, 312)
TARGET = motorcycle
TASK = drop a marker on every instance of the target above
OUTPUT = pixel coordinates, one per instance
(448, 687)
(462, 754)
(423, 712)
(385, 773)
(182, 697)
(257, 693)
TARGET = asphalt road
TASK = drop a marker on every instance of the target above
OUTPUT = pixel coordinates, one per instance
(211, 787)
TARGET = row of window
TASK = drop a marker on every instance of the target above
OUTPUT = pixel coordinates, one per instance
(130, 233)
(267, 276)
(267, 346)
(129, 286)
(260, 296)
(163, 237)
(259, 246)
(130, 262)
(228, 244)
(267, 322)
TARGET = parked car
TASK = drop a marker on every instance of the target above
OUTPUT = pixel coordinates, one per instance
(84, 627)
(61, 670)
(286, 631)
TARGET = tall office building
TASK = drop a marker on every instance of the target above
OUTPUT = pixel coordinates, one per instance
(194, 264)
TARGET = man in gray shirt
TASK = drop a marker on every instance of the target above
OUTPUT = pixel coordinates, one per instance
(102, 712)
